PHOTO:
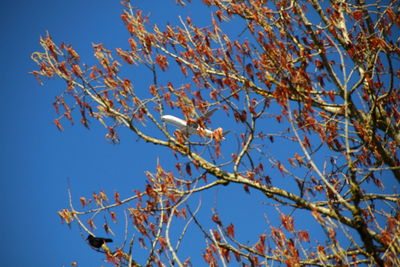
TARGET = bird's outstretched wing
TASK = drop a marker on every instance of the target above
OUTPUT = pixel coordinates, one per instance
(204, 117)
(192, 127)
(208, 114)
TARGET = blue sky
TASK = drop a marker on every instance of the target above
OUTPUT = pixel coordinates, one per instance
(37, 159)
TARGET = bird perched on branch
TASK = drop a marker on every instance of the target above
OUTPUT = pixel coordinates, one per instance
(97, 242)
(194, 127)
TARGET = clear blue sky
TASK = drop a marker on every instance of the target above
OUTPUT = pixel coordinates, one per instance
(37, 159)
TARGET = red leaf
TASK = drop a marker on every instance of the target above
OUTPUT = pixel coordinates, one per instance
(287, 222)
(303, 235)
(163, 242)
(358, 14)
(225, 254)
(55, 104)
(243, 116)
(237, 256)
(216, 219)
(183, 213)
(83, 201)
(249, 70)
(246, 188)
(77, 70)
(213, 95)
(91, 224)
(234, 157)
(230, 231)
(298, 158)
(331, 95)
(161, 60)
(58, 124)
(260, 246)
(116, 198)
(281, 168)
(178, 167)
(216, 235)
(113, 216)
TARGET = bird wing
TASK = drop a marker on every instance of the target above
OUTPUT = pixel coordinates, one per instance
(208, 114)
(189, 127)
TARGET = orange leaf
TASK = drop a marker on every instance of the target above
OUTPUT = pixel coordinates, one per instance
(303, 235)
(287, 222)
(216, 219)
(58, 124)
(116, 198)
(91, 224)
(83, 201)
(113, 216)
(230, 231)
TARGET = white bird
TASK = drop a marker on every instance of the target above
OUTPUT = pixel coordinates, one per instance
(190, 128)
(184, 127)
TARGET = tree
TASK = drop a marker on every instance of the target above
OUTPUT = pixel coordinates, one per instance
(318, 77)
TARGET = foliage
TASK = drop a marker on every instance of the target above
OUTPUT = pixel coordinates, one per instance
(319, 77)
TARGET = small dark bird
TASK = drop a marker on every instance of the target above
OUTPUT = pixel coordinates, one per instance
(97, 242)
